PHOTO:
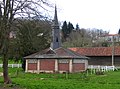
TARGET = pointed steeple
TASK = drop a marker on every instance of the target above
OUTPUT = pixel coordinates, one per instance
(0, 11)
(56, 42)
(55, 17)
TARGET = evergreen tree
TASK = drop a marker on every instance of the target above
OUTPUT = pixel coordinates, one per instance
(70, 28)
(77, 27)
(119, 32)
(64, 31)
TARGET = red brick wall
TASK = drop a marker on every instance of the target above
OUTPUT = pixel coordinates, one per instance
(47, 64)
(78, 66)
(63, 67)
(32, 66)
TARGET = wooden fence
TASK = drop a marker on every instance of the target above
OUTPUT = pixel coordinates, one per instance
(12, 65)
(102, 68)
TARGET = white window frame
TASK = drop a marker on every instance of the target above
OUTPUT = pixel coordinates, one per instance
(78, 61)
(63, 61)
(32, 61)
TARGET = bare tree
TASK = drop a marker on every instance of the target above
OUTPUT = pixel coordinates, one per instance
(9, 9)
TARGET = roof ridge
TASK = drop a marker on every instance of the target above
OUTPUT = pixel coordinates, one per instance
(95, 47)
(97, 51)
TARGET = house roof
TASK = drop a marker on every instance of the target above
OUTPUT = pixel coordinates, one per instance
(56, 53)
(97, 51)
(112, 35)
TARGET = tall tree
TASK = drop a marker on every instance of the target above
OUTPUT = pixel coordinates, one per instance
(77, 27)
(8, 10)
(70, 27)
(33, 35)
(64, 31)
(119, 32)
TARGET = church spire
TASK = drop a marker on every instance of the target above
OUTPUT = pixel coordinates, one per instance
(55, 17)
(0, 11)
(56, 43)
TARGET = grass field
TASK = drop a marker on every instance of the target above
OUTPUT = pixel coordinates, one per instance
(110, 80)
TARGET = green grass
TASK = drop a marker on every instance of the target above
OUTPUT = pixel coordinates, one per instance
(111, 80)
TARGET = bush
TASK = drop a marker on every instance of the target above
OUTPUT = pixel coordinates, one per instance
(99, 73)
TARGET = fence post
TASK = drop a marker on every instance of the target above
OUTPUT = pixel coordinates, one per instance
(105, 68)
(17, 65)
(91, 67)
(94, 71)
(12, 65)
(1, 65)
(113, 68)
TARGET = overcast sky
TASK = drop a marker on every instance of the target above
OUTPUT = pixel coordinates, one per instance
(101, 14)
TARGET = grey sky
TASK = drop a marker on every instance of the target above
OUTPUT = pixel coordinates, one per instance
(101, 14)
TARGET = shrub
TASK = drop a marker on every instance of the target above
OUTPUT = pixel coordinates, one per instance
(99, 73)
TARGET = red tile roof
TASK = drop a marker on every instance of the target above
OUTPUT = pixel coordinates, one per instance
(96, 51)
(110, 35)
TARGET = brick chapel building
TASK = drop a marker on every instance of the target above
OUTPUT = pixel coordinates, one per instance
(56, 58)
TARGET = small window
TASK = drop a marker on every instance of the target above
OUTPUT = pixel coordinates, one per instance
(78, 61)
(32, 61)
(56, 39)
(63, 61)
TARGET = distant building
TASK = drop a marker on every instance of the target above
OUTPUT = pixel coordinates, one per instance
(110, 38)
(100, 55)
(12, 34)
(56, 58)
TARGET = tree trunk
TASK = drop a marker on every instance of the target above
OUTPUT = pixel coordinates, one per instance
(5, 70)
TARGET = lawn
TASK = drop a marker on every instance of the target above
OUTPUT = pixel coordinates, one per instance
(110, 80)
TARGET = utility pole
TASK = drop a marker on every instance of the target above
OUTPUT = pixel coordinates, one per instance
(113, 50)
(113, 46)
